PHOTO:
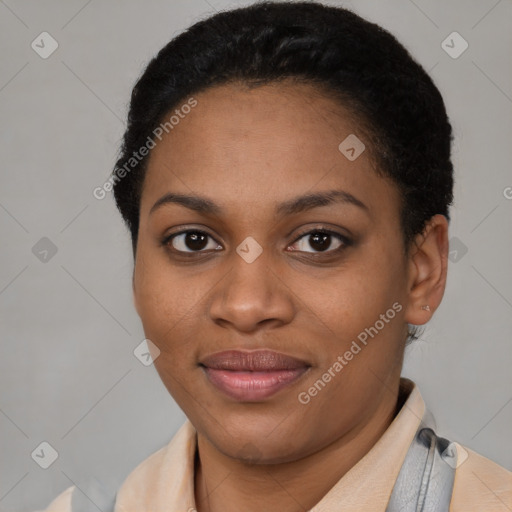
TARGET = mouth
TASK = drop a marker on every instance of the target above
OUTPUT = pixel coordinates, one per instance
(252, 376)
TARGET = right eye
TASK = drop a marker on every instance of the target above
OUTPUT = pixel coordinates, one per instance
(191, 241)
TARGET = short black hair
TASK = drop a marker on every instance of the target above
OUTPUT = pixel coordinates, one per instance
(342, 55)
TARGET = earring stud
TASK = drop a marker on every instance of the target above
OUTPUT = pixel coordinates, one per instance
(426, 307)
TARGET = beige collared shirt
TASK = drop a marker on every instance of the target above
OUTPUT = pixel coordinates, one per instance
(165, 480)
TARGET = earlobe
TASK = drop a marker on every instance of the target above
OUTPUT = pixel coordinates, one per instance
(428, 265)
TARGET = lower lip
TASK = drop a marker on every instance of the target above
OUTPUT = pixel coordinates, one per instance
(252, 386)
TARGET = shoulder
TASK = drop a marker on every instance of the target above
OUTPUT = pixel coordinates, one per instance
(480, 484)
(137, 485)
(89, 490)
(62, 503)
(169, 468)
(166, 468)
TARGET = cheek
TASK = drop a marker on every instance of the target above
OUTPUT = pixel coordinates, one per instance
(351, 298)
(169, 316)
(167, 305)
(160, 290)
(362, 305)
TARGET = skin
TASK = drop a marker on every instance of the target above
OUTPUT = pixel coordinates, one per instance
(247, 151)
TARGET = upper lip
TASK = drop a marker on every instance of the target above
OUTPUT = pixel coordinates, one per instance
(256, 360)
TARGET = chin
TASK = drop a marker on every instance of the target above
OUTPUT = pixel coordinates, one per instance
(255, 446)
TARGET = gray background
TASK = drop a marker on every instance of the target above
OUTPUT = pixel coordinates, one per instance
(68, 374)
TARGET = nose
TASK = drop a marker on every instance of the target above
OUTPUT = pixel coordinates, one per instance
(251, 296)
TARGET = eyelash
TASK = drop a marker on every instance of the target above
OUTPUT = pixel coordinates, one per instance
(345, 242)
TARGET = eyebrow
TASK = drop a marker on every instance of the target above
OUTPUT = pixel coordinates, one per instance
(290, 207)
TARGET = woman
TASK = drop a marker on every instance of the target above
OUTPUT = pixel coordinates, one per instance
(286, 179)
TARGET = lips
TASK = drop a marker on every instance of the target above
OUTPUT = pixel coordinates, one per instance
(256, 361)
(252, 376)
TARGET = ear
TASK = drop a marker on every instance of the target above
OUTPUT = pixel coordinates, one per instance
(427, 270)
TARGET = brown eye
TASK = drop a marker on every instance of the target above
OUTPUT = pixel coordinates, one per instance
(319, 241)
(192, 241)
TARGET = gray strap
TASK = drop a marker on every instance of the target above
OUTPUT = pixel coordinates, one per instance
(425, 481)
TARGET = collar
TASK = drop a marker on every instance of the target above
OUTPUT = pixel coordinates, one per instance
(165, 480)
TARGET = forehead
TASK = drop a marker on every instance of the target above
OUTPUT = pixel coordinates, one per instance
(261, 146)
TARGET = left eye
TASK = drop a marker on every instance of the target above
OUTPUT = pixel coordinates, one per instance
(319, 241)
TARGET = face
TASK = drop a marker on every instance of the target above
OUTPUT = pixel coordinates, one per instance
(250, 265)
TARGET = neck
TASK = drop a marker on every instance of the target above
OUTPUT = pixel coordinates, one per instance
(224, 484)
